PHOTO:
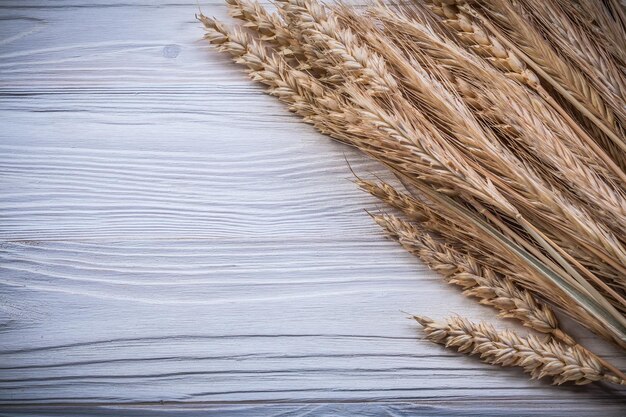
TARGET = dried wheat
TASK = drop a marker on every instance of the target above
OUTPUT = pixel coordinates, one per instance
(538, 358)
(386, 133)
(477, 280)
(515, 32)
(482, 41)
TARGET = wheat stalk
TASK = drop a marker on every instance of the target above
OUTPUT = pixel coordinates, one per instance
(538, 358)
(452, 227)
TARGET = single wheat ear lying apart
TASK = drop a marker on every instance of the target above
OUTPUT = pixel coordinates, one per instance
(507, 194)
(537, 357)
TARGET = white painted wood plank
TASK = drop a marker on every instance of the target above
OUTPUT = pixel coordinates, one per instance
(176, 322)
(223, 190)
(169, 233)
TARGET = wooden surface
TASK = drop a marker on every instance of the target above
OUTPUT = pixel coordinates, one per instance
(173, 242)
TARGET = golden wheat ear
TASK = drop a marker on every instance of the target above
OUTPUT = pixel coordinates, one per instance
(514, 30)
(537, 357)
(507, 58)
(477, 280)
(577, 46)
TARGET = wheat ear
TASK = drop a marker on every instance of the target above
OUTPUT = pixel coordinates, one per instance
(538, 358)
(476, 280)
(539, 55)
(603, 24)
(257, 18)
(486, 45)
(303, 94)
(576, 44)
(269, 26)
(333, 42)
(450, 226)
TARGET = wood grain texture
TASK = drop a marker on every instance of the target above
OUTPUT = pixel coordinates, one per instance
(173, 242)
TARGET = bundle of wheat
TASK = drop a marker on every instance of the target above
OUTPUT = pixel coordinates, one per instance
(505, 123)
